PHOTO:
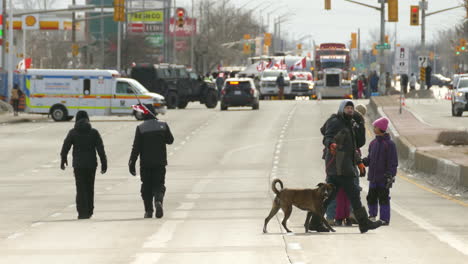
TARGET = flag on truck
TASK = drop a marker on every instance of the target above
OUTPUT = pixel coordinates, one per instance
(300, 65)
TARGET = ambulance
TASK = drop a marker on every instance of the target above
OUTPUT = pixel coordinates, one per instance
(62, 93)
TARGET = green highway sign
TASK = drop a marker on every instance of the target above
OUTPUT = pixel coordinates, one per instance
(383, 47)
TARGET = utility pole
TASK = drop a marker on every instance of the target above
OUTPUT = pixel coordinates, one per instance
(382, 79)
(192, 44)
(422, 6)
(73, 37)
(174, 55)
(10, 54)
(3, 36)
(102, 34)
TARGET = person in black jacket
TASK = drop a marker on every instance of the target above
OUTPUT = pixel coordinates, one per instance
(149, 144)
(86, 141)
(341, 160)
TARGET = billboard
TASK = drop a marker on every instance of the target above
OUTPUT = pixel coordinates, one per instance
(189, 28)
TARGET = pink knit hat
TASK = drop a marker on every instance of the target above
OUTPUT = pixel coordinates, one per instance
(381, 123)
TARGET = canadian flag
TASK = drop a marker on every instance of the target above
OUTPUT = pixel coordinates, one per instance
(140, 108)
(24, 64)
(261, 66)
(300, 65)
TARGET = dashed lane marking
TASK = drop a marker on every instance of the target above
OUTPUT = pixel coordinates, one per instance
(163, 235)
(56, 215)
(147, 258)
(15, 235)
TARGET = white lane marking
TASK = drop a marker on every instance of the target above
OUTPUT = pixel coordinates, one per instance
(47, 166)
(295, 246)
(108, 188)
(147, 258)
(438, 232)
(201, 185)
(15, 235)
(71, 205)
(176, 148)
(36, 224)
(180, 214)
(172, 153)
(56, 215)
(275, 162)
(183, 142)
(55, 161)
(192, 196)
(34, 171)
(186, 206)
(164, 235)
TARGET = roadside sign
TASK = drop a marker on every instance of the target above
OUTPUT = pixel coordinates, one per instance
(402, 60)
(423, 61)
(383, 47)
(30, 22)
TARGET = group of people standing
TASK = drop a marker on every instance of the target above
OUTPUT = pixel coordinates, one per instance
(344, 134)
(149, 145)
(363, 87)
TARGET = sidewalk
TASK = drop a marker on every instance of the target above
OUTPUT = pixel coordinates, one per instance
(8, 118)
(417, 146)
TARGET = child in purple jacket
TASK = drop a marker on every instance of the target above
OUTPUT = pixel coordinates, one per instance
(382, 162)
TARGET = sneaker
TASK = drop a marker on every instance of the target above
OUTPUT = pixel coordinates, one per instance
(148, 215)
(384, 223)
(348, 222)
(372, 218)
(159, 210)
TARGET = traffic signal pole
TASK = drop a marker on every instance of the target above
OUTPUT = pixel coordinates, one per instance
(382, 79)
(422, 6)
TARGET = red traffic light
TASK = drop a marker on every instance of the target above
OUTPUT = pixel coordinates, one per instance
(414, 10)
(180, 13)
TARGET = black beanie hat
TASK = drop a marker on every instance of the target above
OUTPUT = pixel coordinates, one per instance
(81, 115)
(349, 103)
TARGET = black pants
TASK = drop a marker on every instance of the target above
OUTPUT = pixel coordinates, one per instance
(15, 105)
(152, 186)
(84, 181)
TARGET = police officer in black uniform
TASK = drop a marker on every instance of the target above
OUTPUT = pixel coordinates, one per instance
(149, 144)
(342, 169)
(86, 141)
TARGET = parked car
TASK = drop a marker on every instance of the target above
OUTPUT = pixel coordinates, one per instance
(239, 92)
(460, 97)
(440, 80)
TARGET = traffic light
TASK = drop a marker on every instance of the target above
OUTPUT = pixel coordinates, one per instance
(414, 17)
(267, 39)
(354, 40)
(247, 49)
(374, 50)
(119, 10)
(75, 50)
(393, 10)
(387, 40)
(180, 17)
(299, 46)
(327, 4)
(463, 44)
(422, 74)
(458, 50)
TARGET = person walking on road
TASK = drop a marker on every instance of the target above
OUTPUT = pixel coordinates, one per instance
(404, 83)
(149, 144)
(86, 141)
(341, 163)
(360, 87)
(383, 163)
(412, 82)
(280, 84)
(16, 94)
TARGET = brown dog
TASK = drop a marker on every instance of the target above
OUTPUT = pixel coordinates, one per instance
(310, 200)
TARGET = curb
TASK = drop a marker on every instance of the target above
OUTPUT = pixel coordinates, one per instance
(19, 120)
(446, 171)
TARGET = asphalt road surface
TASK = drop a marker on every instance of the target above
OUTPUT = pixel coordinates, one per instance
(218, 194)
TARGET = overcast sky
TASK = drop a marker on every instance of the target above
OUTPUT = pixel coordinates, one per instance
(309, 17)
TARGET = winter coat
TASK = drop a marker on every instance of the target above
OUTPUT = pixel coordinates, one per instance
(150, 142)
(280, 81)
(382, 159)
(86, 141)
(349, 135)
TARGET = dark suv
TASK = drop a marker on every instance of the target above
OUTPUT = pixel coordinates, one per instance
(178, 85)
(239, 92)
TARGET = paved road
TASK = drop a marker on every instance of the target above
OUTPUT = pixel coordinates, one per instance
(221, 166)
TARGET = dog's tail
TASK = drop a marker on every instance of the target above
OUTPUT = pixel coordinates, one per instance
(273, 186)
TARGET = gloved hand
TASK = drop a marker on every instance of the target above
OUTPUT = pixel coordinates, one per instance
(362, 169)
(332, 148)
(131, 168)
(365, 161)
(389, 180)
(103, 167)
(63, 163)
